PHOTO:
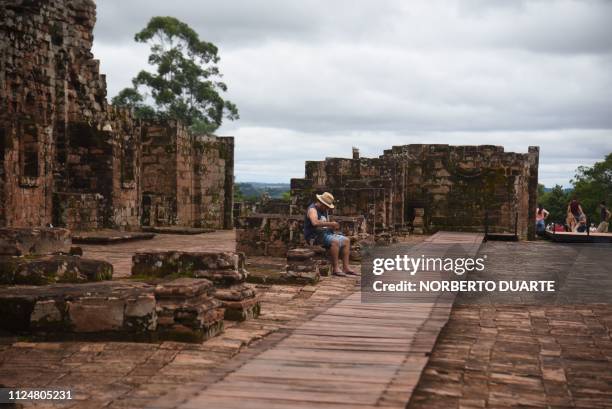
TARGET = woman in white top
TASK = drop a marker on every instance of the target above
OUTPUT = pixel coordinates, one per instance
(541, 215)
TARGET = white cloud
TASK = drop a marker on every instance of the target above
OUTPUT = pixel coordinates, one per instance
(312, 78)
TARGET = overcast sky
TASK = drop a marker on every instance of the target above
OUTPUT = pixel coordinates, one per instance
(312, 78)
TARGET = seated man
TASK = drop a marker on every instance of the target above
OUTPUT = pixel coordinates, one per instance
(318, 229)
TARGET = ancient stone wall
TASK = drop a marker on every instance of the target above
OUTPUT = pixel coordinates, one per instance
(62, 143)
(187, 179)
(69, 158)
(458, 186)
(213, 195)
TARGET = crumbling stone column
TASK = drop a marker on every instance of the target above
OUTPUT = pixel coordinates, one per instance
(187, 310)
(225, 269)
(303, 267)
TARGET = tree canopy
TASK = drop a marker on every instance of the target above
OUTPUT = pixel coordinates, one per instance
(591, 185)
(186, 84)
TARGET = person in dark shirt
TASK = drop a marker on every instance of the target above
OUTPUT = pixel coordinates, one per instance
(318, 229)
(605, 218)
(574, 213)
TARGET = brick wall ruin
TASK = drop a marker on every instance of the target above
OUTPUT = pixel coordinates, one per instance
(186, 179)
(457, 186)
(69, 158)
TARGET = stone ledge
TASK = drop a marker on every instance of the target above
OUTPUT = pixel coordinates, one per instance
(176, 230)
(109, 237)
(215, 265)
(181, 310)
(34, 241)
(42, 270)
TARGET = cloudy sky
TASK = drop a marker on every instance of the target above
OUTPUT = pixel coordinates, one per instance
(312, 78)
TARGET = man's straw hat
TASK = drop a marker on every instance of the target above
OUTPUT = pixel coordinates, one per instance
(327, 199)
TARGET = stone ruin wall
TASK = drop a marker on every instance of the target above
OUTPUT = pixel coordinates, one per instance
(187, 179)
(456, 185)
(66, 156)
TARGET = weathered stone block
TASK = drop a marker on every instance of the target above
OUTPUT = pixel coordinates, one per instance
(165, 263)
(140, 313)
(187, 310)
(47, 314)
(34, 241)
(300, 277)
(52, 269)
(300, 254)
(184, 288)
(96, 314)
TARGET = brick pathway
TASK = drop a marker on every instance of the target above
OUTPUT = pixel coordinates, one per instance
(353, 355)
(132, 375)
(510, 356)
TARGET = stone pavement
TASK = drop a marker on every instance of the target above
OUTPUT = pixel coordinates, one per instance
(133, 375)
(353, 355)
(120, 254)
(328, 343)
(527, 356)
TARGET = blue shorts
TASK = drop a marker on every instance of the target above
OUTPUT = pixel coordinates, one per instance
(328, 238)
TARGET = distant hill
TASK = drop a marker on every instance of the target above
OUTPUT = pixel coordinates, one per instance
(565, 190)
(253, 190)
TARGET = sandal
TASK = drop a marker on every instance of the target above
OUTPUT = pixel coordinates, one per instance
(339, 274)
(350, 273)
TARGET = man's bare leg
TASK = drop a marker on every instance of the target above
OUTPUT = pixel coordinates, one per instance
(334, 251)
(346, 251)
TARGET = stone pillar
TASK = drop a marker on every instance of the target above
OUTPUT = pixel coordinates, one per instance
(187, 310)
(237, 298)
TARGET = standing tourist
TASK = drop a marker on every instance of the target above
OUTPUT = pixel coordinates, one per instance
(541, 215)
(605, 218)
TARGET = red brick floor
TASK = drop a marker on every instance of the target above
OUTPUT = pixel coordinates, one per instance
(525, 355)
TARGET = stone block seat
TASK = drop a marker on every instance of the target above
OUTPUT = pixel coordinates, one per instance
(304, 267)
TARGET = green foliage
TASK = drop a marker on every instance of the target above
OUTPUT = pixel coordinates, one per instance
(238, 196)
(555, 201)
(592, 184)
(252, 191)
(131, 98)
(286, 196)
(186, 83)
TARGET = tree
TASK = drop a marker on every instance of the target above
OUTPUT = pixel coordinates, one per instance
(130, 97)
(592, 184)
(186, 83)
(238, 195)
(555, 201)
